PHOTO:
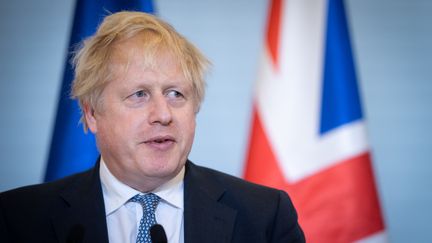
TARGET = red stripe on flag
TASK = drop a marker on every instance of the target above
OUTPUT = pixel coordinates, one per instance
(338, 204)
(261, 166)
(273, 28)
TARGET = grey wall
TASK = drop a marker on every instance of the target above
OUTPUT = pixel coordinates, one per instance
(392, 43)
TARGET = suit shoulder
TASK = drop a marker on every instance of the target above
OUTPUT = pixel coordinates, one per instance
(261, 212)
(236, 184)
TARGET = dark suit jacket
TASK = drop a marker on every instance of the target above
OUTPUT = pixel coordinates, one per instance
(218, 208)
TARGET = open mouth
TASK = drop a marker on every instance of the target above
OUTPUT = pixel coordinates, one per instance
(160, 142)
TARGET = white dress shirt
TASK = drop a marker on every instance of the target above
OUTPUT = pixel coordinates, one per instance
(123, 217)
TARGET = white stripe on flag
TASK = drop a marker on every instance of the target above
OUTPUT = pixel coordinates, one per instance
(297, 83)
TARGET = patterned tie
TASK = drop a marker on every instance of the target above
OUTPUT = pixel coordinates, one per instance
(149, 203)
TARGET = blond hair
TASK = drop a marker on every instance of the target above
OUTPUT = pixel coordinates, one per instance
(92, 59)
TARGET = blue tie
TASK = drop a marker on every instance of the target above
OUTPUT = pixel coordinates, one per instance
(149, 203)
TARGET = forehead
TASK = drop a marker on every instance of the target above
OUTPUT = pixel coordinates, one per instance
(134, 63)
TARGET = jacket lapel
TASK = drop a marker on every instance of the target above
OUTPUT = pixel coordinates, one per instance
(206, 219)
(82, 218)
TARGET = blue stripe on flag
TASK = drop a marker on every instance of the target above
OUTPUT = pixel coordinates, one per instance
(340, 98)
(71, 150)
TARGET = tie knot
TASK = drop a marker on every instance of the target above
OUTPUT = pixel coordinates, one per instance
(148, 201)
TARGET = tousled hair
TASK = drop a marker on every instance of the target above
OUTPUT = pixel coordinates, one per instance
(92, 58)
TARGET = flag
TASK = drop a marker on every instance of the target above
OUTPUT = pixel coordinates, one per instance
(71, 149)
(308, 130)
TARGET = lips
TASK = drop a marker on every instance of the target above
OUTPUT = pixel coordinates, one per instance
(160, 142)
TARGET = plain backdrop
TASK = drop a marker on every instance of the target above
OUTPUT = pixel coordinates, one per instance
(392, 45)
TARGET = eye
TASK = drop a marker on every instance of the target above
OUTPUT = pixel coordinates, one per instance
(174, 94)
(138, 95)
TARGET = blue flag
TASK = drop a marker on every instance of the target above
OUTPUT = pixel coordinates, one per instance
(71, 149)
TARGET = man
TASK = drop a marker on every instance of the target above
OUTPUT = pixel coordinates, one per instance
(139, 85)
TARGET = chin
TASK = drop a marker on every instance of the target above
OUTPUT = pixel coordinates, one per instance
(163, 169)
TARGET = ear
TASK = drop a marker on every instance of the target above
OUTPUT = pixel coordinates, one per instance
(89, 116)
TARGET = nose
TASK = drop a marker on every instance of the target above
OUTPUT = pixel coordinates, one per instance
(160, 111)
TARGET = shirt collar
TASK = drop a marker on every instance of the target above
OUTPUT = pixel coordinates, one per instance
(116, 193)
(172, 191)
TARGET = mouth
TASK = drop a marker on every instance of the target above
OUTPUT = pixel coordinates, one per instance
(160, 142)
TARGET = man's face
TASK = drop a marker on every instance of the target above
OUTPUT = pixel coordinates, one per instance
(146, 124)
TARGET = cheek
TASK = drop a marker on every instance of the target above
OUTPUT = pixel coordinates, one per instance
(192, 126)
(114, 126)
(127, 119)
(189, 127)
(107, 132)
